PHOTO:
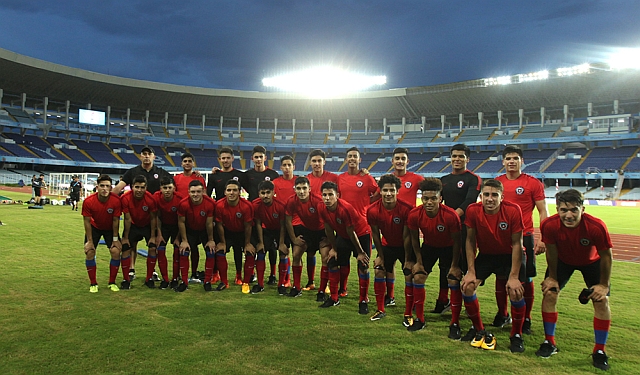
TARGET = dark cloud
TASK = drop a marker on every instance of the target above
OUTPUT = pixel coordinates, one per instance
(225, 44)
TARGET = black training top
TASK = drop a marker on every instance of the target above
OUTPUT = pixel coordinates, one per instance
(460, 190)
(153, 176)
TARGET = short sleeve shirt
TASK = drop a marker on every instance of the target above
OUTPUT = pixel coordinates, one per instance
(357, 190)
(140, 210)
(102, 214)
(154, 175)
(306, 211)
(196, 215)
(316, 182)
(271, 215)
(408, 192)
(523, 191)
(254, 178)
(167, 210)
(391, 223)
(493, 232)
(344, 216)
(436, 230)
(577, 246)
(234, 217)
(182, 183)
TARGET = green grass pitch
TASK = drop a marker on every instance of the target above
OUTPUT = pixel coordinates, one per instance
(52, 324)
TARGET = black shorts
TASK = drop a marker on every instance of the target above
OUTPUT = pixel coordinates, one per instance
(97, 233)
(590, 273)
(311, 237)
(431, 255)
(196, 238)
(346, 249)
(138, 233)
(234, 240)
(169, 233)
(271, 239)
(498, 264)
(37, 192)
(530, 256)
(74, 196)
(462, 263)
(391, 254)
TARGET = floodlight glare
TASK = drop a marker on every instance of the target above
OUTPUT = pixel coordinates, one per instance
(573, 70)
(324, 81)
(628, 58)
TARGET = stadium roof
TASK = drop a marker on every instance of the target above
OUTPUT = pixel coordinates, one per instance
(39, 79)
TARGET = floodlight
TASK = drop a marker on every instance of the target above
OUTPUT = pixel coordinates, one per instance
(628, 58)
(324, 81)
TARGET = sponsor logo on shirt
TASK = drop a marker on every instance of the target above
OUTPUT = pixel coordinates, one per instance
(585, 242)
(460, 184)
(440, 228)
(519, 190)
(503, 225)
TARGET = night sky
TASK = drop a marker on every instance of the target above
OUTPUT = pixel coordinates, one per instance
(234, 44)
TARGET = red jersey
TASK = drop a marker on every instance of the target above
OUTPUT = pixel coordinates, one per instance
(523, 191)
(390, 222)
(182, 184)
(102, 214)
(316, 182)
(409, 190)
(140, 210)
(577, 246)
(344, 216)
(357, 190)
(234, 217)
(167, 210)
(306, 211)
(493, 232)
(285, 189)
(196, 215)
(437, 230)
(270, 216)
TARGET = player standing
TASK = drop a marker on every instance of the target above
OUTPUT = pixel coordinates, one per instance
(347, 233)
(195, 224)
(318, 175)
(218, 180)
(440, 227)
(284, 189)
(270, 228)
(409, 180)
(460, 188)
(388, 220)
(234, 219)
(75, 187)
(576, 241)
(307, 236)
(528, 193)
(167, 234)
(494, 228)
(140, 222)
(101, 216)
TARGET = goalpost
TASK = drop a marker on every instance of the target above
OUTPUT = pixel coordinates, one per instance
(59, 183)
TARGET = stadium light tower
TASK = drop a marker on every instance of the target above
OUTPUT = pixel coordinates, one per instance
(627, 58)
(324, 82)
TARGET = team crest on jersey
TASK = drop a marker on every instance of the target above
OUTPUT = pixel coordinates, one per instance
(239, 215)
(155, 176)
(338, 220)
(585, 242)
(460, 184)
(275, 215)
(109, 210)
(145, 208)
(396, 220)
(359, 184)
(235, 178)
(408, 184)
(440, 228)
(174, 209)
(519, 190)
(267, 178)
(503, 225)
(312, 210)
(203, 214)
